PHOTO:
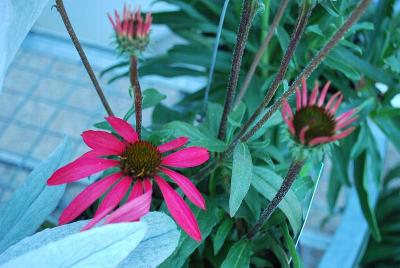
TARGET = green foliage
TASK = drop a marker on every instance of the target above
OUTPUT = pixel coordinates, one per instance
(368, 54)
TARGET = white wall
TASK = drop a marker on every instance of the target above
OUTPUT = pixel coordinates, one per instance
(89, 18)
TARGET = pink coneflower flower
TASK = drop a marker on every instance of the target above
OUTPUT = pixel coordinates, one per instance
(314, 123)
(131, 29)
(136, 164)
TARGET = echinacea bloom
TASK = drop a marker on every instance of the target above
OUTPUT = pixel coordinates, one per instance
(136, 164)
(131, 30)
(314, 123)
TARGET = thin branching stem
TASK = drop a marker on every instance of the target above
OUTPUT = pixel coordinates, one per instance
(248, 10)
(307, 71)
(301, 24)
(134, 79)
(261, 51)
(291, 176)
(61, 9)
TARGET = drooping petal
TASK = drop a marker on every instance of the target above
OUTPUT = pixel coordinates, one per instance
(79, 169)
(133, 209)
(102, 140)
(179, 210)
(286, 108)
(114, 196)
(314, 94)
(187, 157)
(319, 140)
(323, 94)
(344, 116)
(285, 111)
(97, 219)
(123, 128)
(98, 153)
(87, 197)
(344, 124)
(332, 100)
(337, 104)
(136, 191)
(304, 88)
(343, 134)
(298, 99)
(172, 145)
(188, 188)
(303, 134)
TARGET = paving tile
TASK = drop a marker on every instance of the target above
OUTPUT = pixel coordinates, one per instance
(18, 139)
(35, 112)
(52, 89)
(46, 146)
(70, 123)
(32, 59)
(68, 70)
(20, 80)
(85, 98)
(8, 104)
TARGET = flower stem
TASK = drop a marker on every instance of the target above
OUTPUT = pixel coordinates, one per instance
(261, 51)
(246, 134)
(61, 9)
(248, 11)
(134, 78)
(291, 176)
(301, 24)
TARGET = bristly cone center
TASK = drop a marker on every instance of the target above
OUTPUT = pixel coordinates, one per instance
(320, 122)
(140, 160)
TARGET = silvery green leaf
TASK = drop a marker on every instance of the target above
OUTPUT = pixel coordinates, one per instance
(159, 243)
(17, 18)
(32, 202)
(105, 246)
(242, 172)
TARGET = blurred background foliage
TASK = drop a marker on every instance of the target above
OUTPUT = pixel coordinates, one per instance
(364, 66)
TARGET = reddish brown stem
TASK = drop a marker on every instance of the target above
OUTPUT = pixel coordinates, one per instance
(134, 78)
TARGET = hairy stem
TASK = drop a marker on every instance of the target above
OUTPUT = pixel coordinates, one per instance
(261, 51)
(301, 24)
(248, 10)
(61, 9)
(307, 71)
(134, 78)
(245, 135)
(291, 176)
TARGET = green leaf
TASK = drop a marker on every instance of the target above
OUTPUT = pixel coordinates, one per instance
(99, 247)
(235, 119)
(222, 233)
(33, 201)
(268, 183)
(206, 220)
(291, 247)
(213, 117)
(242, 173)
(238, 255)
(196, 137)
(150, 97)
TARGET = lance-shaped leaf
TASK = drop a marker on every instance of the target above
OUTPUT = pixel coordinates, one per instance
(32, 202)
(238, 255)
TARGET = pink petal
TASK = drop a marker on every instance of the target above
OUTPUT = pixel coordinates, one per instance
(87, 197)
(337, 104)
(132, 210)
(304, 88)
(323, 94)
(123, 128)
(96, 219)
(298, 99)
(287, 109)
(303, 134)
(80, 168)
(172, 145)
(179, 210)
(332, 100)
(344, 116)
(343, 134)
(314, 94)
(188, 188)
(136, 191)
(343, 124)
(112, 21)
(97, 153)
(114, 196)
(187, 157)
(96, 139)
(319, 140)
